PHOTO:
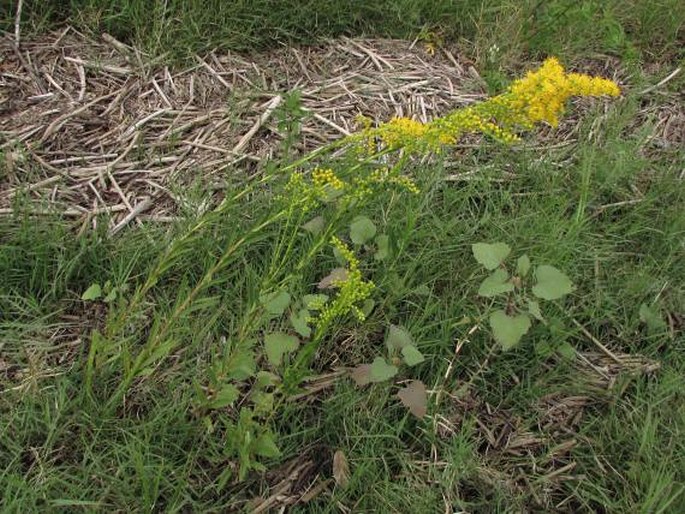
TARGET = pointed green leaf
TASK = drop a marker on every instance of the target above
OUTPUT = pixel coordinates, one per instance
(241, 365)
(265, 379)
(551, 284)
(264, 446)
(508, 330)
(412, 356)
(383, 245)
(92, 293)
(397, 338)
(300, 322)
(534, 310)
(522, 266)
(490, 255)
(381, 370)
(226, 396)
(278, 344)
(314, 226)
(495, 284)
(263, 402)
(362, 229)
(275, 303)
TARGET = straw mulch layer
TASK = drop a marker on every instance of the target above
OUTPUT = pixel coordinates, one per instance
(90, 127)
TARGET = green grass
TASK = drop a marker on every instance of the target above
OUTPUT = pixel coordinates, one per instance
(82, 430)
(495, 32)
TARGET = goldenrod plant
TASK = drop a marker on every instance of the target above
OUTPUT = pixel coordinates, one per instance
(320, 202)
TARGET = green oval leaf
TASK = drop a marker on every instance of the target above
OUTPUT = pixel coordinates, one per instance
(92, 293)
(315, 225)
(398, 338)
(278, 344)
(226, 396)
(490, 255)
(381, 371)
(412, 356)
(495, 284)
(314, 302)
(275, 303)
(551, 284)
(362, 230)
(522, 266)
(508, 330)
(300, 322)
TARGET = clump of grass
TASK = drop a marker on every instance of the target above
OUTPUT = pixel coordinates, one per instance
(497, 33)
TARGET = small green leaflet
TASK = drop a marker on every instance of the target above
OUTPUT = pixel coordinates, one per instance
(300, 322)
(522, 266)
(534, 310)
(495, 284)
(362, 229)
(508, 330)
(92, 293)
(398, 338)
(275, 303)
(314, 226)
(314, 302)
(264, 446)
(551, 284)
(383, 244)
(111, 296)
(226, 396)
(411, 355)
(278, 344)
(490, 255)
(381, 371)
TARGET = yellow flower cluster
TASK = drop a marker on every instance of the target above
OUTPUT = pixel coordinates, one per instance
(325, 186)
(540, 96)
(365, 186)
(326, 178)
(352, 289)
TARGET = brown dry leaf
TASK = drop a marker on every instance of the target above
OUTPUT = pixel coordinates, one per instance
(361, 374)
(341, 470)
(337, 275)
(414, 397)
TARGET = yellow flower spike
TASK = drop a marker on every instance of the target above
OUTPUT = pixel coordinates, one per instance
(351, 290)
(540, 96)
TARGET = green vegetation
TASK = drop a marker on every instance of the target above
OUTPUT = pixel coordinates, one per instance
(190, 368)
(490, 29)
